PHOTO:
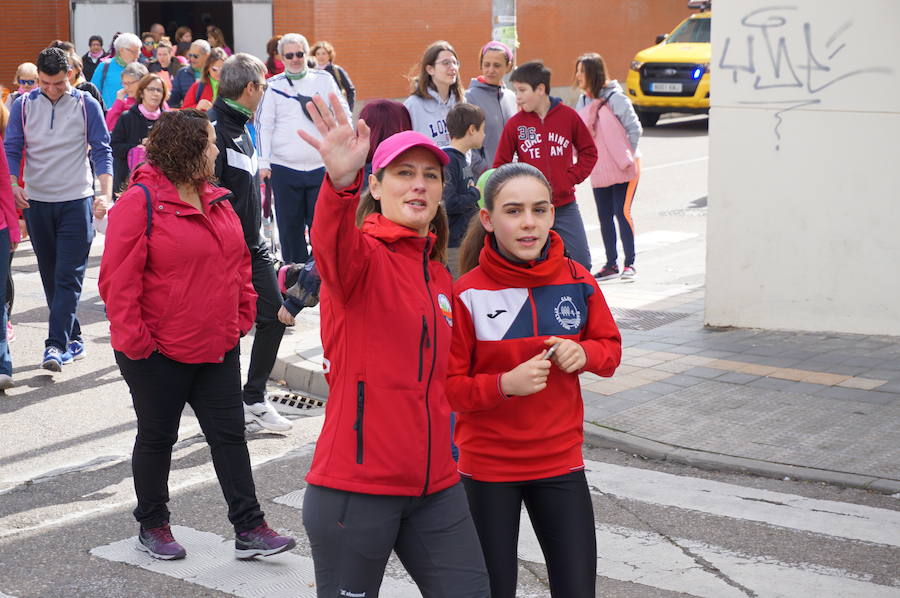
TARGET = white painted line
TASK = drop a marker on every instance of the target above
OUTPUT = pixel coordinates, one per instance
(293, 499)
(2, 595)
(210, 563)
(669, 164)
(650, 559)
(655, 239)
(831, 518)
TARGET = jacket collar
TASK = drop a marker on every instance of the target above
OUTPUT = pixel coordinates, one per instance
(535, 273)
(388, 231)
(163, 191)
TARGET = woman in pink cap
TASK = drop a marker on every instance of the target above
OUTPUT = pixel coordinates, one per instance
(382, 478)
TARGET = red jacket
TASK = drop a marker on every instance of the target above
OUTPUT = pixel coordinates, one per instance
(502, 314)
(185, 291)
(386, 328)
(548, 145)
(190, 97)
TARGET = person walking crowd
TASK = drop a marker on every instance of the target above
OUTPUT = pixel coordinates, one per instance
(381, 220)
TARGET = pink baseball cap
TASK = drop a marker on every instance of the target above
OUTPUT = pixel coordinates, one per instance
(398, 143)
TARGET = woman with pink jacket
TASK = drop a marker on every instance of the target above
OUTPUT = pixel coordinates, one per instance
(9, 238)
(611, 119)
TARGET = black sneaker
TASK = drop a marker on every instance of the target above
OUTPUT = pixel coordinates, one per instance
(607, 272)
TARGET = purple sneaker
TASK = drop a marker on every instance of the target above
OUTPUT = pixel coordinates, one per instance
(159, 543)
(262, 540)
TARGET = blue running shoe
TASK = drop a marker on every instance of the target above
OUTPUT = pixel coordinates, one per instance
(54, 359)
(76, 349)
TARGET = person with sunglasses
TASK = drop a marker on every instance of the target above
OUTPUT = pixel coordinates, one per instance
(205, 90)
(435, 90)
(187, 75)
(25, 81)
(296, 168)
(108, 75)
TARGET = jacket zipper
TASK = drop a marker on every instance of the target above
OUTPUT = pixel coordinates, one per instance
(431, 370)
(423, 344)
(358, 426)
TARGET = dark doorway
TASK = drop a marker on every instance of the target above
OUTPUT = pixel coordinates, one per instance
(196, 15)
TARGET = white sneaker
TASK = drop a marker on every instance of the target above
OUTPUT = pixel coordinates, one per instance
(265, 415)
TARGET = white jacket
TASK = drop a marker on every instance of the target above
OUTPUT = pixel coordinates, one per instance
(279, 115)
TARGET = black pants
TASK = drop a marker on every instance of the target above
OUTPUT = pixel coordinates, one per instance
(352, 535)
(269, 331)
(563, 518)
(160, 387)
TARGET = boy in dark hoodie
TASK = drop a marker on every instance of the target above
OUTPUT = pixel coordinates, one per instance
(465, 124)
(548, 134)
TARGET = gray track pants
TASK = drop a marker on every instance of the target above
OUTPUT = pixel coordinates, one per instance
(352, 536)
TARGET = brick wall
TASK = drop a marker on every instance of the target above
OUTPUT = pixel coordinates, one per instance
(379, 41)
(26, 27)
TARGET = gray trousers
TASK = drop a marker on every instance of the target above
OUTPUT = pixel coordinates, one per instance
(352, 536)
(570, 227)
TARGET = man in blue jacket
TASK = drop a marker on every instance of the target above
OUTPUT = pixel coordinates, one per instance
(65, 133)
(186, 75)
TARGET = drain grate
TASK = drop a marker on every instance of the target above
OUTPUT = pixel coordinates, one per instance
(291, 403)
(640, 319)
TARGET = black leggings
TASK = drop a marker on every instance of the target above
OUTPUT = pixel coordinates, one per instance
(563, 518)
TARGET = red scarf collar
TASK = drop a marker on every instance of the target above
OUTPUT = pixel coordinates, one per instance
(389, 231)
(527, 274)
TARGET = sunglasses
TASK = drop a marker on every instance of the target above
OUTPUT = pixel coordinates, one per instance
(27, 81)
(194, 56)
(149, 43)
(290, 55)
(263, 86)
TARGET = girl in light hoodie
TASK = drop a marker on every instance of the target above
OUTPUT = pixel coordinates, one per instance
(498, 102)
(435, 90)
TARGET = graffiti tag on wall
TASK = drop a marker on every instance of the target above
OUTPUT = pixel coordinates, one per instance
(787, 54)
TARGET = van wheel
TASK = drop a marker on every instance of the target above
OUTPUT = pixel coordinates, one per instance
(648, 119)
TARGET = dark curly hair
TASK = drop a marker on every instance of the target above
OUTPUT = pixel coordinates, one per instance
(177, 146)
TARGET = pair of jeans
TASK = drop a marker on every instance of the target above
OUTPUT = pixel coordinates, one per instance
(160, 387)
(562, 514)
(615, 202)
(352, 536)
(295, 193)
(269, 330)
(61, 235)
(569, 225)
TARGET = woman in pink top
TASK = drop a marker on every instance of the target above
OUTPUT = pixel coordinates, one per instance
(125, 97)
(611, 119)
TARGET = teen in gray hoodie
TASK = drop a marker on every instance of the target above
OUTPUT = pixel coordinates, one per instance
(498, 103)
(435, 91)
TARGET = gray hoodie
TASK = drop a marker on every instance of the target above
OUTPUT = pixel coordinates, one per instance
(498, 104)
(621, 107)
(429, 117)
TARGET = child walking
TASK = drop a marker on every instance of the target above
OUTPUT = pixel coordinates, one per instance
(527, 321)
(466, 124)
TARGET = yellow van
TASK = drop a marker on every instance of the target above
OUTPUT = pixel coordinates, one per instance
(673, 75)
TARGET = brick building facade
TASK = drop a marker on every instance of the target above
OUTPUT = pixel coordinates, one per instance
(379, 41)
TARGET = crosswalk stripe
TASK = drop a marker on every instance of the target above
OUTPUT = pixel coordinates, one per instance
(211, 563)
(856, 522)
(650, 559)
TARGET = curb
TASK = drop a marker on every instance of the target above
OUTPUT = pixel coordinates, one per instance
(603, 437)
(306, 377)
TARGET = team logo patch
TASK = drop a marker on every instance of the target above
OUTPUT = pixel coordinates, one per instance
(446, 309)
(567, 314)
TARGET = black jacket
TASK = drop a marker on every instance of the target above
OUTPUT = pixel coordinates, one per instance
(131, 128)
(154, 67)
(343, 81)
(236, 167)
(89, 65)
(460, 196)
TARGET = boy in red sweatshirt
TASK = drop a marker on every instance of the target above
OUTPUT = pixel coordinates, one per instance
(548, 135)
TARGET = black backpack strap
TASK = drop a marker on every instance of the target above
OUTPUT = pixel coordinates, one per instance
(105, 71)
(149, 208)
(199, 93)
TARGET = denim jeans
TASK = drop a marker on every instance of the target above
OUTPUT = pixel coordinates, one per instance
(296, 192)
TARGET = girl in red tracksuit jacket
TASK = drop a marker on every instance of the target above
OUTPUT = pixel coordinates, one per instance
(382, 477)
(527, 321)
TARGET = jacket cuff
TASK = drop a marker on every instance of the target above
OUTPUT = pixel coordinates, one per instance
(500, 392)
(293, 305)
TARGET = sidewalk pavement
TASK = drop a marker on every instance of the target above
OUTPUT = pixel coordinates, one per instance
(815, 406)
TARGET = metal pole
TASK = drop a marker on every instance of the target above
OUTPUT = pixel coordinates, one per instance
(503, 23)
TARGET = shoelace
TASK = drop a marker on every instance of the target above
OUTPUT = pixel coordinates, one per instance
(262, 530)
(162, 534)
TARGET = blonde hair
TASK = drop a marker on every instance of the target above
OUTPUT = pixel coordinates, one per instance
(24, 70)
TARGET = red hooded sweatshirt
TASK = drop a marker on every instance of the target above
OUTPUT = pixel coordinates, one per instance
(503, 312)
(386, 324)
(550, 145)
(184, 290)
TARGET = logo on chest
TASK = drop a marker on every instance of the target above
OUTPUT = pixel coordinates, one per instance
(446, 309)
(567, 313)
